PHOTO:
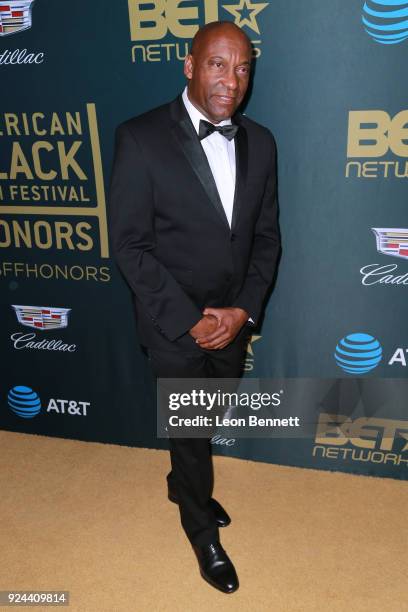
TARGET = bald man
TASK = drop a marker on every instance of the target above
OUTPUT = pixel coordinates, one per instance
(193, 218)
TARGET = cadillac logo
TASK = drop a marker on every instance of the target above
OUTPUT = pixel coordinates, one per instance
(392, 241)
(42, 317)
(15, 16)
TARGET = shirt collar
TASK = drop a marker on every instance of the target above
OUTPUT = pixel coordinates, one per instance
(196, 115)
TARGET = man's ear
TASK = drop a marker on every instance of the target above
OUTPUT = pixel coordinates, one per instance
(189, 66)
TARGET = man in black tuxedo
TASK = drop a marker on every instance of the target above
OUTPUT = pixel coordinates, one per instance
(194, 229)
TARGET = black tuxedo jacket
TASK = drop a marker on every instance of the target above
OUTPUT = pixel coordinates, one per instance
(170, 236)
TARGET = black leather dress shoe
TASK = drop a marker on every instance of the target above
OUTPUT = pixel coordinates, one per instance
(221, 516)
(216, 567)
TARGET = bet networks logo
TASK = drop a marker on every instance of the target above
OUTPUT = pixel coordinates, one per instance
(386, 20)
(174, 25)
(377, 145)
(391, 241)
(367, 439)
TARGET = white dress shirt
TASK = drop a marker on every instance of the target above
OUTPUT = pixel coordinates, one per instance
(220, 153)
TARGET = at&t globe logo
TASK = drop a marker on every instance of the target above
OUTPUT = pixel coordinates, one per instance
(386, 21)
(24, 402)
(358, 353)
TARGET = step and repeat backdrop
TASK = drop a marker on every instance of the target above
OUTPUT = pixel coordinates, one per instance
(330, 83)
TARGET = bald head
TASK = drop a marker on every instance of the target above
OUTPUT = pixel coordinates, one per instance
(216, 28)
(217, 69)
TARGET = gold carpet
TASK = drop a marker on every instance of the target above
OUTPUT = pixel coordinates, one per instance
(93, 519)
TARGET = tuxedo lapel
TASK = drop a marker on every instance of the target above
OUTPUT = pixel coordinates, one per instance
(241, 165)
(187, 138)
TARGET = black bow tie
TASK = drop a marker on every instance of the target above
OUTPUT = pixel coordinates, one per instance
(207, 128)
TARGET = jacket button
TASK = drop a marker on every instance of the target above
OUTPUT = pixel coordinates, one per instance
(233, 236)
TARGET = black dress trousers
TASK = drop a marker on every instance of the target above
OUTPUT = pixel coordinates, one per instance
(191, 476)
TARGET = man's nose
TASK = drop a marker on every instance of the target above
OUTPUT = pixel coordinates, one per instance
(231, 80)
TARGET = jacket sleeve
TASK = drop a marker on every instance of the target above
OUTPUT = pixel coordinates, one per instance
(265, 248)
(131, 217)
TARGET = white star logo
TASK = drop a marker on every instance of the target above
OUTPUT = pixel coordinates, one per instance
(245, 13)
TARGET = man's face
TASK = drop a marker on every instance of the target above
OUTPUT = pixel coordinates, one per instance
(218, 73)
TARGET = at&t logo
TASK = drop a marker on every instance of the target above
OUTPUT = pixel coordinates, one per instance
(358, 353)
(386, 21)
(26, 403)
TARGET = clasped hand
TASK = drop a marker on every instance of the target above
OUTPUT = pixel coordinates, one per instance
(218, 327)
